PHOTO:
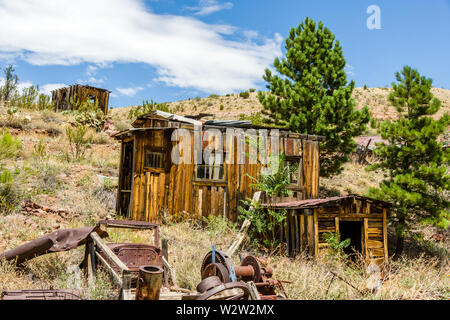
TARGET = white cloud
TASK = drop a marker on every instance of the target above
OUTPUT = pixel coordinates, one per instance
(130, 92)
(206, 7)
(350, 70)
(47, 88)
(186, 52)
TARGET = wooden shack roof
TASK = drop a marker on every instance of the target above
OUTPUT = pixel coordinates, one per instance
(81, 85)
(331, 201)
(218, 124)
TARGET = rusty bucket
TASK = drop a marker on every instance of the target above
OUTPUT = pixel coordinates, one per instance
(149, 282)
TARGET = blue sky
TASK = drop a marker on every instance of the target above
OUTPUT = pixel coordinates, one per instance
(172, 50)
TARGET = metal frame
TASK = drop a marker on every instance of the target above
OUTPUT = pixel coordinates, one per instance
(123, 276)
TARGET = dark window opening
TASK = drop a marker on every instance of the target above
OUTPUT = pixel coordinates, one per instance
(352, 230)
(210, 172)
(215, 171)
(295, 176)
(154, 160)
(92, 98)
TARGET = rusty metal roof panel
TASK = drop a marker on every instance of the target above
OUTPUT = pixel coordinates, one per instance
(41, 295)
(313, 203)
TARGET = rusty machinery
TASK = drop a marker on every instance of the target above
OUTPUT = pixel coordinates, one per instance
(133, 255)
(221, 266)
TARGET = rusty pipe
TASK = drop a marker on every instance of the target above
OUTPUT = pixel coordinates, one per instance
(149, 283)
(244, 271)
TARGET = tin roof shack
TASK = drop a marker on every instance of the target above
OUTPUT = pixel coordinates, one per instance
(359, 218)
(63, 97)
(151, 185)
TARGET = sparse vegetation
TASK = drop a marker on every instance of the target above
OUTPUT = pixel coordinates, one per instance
(146, 107)
(79, 142)
(10, 146)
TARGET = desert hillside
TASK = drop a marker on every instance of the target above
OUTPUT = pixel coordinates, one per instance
(231, 106)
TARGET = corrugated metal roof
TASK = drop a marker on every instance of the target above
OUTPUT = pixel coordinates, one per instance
(313, 203)
(171, 116)
(228, 123)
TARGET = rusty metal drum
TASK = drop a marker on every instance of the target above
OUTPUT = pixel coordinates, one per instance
(149, 282)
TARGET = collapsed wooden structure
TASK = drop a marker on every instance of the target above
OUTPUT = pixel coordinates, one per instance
(62, 98)
(361, 219)
(151, 185)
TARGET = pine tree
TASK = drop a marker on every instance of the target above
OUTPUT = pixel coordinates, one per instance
(311, 94)
(416, 163)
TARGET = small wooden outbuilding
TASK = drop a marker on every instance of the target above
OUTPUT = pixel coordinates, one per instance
(63, 97)
(359, 218)
(151, 185)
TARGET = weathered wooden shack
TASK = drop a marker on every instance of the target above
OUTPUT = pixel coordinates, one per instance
(359, 218)
(63, 97)
(151, 185)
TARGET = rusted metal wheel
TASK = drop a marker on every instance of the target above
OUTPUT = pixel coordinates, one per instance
(220, 257)
(217, 269)
(217, 292)
(208, 284)
(253, 262)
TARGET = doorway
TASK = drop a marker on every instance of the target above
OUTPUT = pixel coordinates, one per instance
(352, 230)
(126, 178)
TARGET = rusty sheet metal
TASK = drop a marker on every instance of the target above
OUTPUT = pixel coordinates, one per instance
(312, 203)
(41, 295)
(61, 240)
(134, 255)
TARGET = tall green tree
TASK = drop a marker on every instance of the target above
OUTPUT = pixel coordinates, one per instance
(311, 94)
(10, 84)
(415, 162)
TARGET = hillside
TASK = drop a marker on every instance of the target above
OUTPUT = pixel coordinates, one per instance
(232, 105)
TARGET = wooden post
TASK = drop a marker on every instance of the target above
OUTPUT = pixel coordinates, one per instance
(366, 239)
(316, 233)
(243, 231)
(385, 244)
(165, 255)
(253, 291)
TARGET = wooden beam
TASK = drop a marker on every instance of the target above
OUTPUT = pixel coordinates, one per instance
(385, 243)
(243, 231)
(108, 252)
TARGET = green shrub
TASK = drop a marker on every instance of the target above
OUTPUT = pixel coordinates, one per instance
(79, 142)
(252, 90)
(9, 194)
(146, 107)
(334, 241)
(244, 94)
(44, 102)
(27, 100)
(10, 146)
(265, 222)
(39, 151)
(221, 107)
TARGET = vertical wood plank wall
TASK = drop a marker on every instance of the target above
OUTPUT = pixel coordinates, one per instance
(314, 223)
(174, 191)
